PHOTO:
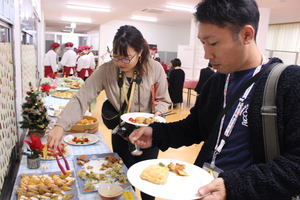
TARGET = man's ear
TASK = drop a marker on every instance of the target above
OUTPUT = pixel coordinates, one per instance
(248, 33)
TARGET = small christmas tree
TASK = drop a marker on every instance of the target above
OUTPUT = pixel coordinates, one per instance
(34, 112)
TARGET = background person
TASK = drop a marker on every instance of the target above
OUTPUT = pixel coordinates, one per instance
(83, 64)
(105, 57)
(130, 54)
(165, 67)
(176, 81)
(227, 29)
(50, 60)
(68, 60)
(205, 73)
(87, 50)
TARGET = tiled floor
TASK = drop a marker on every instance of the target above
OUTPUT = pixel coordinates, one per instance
(187, 154)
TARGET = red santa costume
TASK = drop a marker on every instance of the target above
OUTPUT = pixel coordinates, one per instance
(83, 64)
(68, 60)
(50, 65)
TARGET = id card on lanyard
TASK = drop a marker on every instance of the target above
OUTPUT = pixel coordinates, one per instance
(221, 140)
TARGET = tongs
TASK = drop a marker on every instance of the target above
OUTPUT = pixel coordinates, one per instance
(45, 152)
(65, 160)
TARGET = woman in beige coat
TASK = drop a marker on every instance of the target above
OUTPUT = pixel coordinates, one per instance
(130, 54)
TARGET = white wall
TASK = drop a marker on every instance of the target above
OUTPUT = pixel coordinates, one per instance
(167, 38)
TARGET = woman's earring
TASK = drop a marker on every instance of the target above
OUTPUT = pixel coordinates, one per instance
(140, 59)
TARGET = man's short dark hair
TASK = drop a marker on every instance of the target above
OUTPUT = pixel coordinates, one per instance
(176, 62)
(233, 14)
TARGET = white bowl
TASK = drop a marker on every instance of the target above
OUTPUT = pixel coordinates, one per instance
(110, 191)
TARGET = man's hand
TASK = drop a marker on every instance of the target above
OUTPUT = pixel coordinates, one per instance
(216, 188)
(142, 137)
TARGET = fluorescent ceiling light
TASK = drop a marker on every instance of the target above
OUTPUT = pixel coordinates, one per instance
(73, 24)
(85, 7)
(70, 19)
(66, 31)
(150, 19)
(68, 27)
(180, 7)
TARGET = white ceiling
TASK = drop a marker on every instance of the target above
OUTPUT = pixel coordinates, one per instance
(282, 11)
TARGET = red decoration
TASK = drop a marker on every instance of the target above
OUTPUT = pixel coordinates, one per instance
(52, 75)
(45, 87)
(35, 144)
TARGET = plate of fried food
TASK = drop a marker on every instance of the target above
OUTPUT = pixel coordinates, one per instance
(63, 95)
(168, 179)
(141, 119)
(74, 85)
(81, 139)
(54, 185)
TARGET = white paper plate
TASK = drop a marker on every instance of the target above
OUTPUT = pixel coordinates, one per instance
(67, 153)
(62, 88)
(92, 138)
(51, 113)
(177, 187)
(125, 117)
(54, 107)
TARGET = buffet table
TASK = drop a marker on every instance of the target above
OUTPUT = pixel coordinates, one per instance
(61, 83)
(100, 147)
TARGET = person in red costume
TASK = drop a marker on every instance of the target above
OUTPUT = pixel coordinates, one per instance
(87, 50)
(83, 64)
(68, 60)
(50, 64)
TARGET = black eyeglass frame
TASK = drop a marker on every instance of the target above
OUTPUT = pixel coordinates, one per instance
(124, 60)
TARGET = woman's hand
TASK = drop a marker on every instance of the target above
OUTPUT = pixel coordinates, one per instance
(54, 137)
(157, 113)
(142, 137)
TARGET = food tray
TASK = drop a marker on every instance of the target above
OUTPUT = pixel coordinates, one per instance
(99, 160)
(74, 189)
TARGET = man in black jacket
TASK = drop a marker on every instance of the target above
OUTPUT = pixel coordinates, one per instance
(235, 144)
(205, 73)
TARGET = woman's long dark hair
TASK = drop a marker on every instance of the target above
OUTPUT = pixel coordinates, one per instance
(130, 36)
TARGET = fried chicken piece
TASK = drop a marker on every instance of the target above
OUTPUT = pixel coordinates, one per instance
(84, 159)
(68, 196)
(180, 169)
(171, 167)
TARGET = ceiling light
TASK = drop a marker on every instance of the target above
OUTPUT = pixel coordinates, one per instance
(85, 7)
(180, 7)
(68, 27)
(66, 31)
(70, 19)
(150, 19)
(73, 25)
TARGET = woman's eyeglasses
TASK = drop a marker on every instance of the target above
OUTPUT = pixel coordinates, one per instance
(124, 60)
